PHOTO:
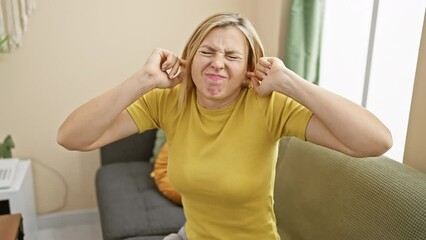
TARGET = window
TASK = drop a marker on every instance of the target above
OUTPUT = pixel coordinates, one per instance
(369, 55)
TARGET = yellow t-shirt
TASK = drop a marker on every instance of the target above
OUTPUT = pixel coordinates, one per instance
(223, 161)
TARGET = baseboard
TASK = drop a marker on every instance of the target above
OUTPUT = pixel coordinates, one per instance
(65, 219)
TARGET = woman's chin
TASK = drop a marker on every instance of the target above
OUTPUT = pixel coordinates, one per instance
(213, 91)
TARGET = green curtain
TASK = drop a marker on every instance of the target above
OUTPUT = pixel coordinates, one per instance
(303, 48)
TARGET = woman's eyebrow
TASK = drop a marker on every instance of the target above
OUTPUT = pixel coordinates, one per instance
(213, 49)
(208, 47)
(233, 52)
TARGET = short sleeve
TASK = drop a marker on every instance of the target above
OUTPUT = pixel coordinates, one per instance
(287, 117)
(143, 111)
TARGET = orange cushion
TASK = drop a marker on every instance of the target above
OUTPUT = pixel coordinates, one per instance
(160, 176)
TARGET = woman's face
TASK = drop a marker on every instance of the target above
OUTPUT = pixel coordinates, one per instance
(219, 67)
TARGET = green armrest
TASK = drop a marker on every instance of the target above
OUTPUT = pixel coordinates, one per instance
(324, 194)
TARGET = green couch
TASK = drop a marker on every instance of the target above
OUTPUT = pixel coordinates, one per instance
(324, 194)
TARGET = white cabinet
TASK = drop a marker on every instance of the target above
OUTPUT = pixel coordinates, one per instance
(20, 197)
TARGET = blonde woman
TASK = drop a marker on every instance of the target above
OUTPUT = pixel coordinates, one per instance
(224, 107)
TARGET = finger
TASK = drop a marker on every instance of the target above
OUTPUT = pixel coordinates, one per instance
(265, 62)
(255, 83)
(175, 69)
(171, 59)
(169, 63)
(180, 76)
(260, 75)
(249, 75)
(263, 68)
(275, 62)
(176, 80)
(259, 89)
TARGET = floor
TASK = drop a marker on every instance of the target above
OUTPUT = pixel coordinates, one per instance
(81, 225)
(80, 232)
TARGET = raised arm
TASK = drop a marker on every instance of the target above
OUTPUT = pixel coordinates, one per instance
(337, 123)
(104, 119)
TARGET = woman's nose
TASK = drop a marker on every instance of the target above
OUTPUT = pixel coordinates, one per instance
(218, 62)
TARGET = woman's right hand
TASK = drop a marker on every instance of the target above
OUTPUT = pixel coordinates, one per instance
(104, 119)
(163, 68)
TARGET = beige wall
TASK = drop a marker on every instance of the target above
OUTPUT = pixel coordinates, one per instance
(415, 148)
(74, 50)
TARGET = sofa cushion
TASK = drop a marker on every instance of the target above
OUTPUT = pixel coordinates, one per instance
(324, 194)
(161, 177)
(137, 147)
(160, 140)
(130, 204)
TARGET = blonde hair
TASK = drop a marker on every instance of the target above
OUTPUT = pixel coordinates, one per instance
(220, 20)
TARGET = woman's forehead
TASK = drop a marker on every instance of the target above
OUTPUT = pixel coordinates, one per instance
(225, 39)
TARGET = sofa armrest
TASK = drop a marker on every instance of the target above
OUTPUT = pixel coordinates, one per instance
(137, 147)
(324, 194)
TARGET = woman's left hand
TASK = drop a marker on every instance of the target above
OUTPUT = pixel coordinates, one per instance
(337, 123)
(268, 76)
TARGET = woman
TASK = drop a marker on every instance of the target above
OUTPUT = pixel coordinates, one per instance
(224, 107)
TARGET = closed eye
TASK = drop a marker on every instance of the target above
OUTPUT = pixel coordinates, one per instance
(232, 57)
(207, 53)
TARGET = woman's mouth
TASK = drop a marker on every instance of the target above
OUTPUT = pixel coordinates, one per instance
(215, 77)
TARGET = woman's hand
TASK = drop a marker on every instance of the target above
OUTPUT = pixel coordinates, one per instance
(162, 68)
(84, 130)
(337, 123)
(268, 76)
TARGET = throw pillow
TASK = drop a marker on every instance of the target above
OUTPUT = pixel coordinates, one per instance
(161, 178)
(159, 142)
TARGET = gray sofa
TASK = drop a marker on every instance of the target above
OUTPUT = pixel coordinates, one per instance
(130, 205)
(319, 194)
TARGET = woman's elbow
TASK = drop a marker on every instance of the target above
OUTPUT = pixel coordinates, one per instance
(69, 142)
(64, 141)
(386, 143)
(372, 148)
(380, 146)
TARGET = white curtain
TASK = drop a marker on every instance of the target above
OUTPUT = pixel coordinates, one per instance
(4, 45)
(13, 22)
